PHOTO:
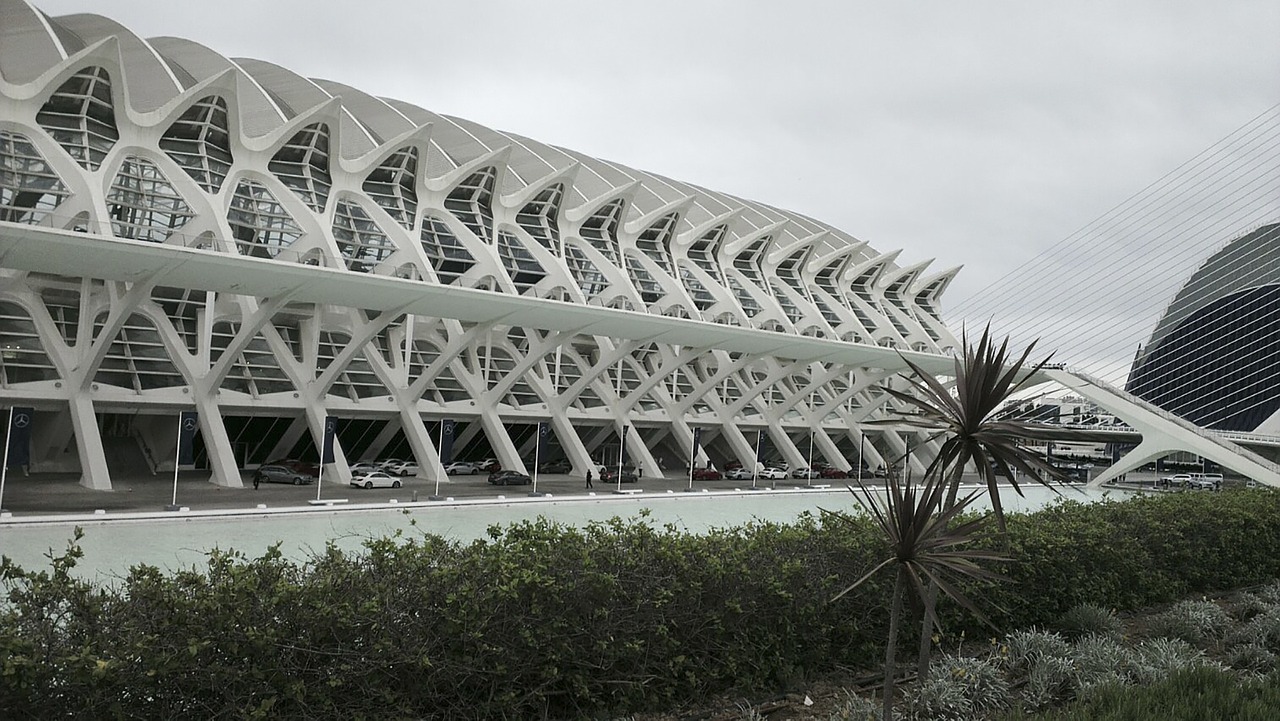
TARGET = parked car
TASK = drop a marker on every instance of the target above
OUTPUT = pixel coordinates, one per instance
(610, 475)
(509, 478)
(363, 467)
(462, 468)
(305, 468)
(559, 465)
(706, 474)
(403, 468)
(832, 472)
(276, 473)
(374, 479)
(732, 466)
(385, 463)
(489, 465)
(773, 474)
(1178, 480)
(739, 474)
(805, 473)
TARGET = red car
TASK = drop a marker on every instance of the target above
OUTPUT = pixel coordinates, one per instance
(706, 474)
(832, 472)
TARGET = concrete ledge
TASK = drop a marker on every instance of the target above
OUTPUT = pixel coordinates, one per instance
(628, 491)
(326, 501)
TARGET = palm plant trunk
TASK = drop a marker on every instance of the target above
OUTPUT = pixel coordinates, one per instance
(891, 648)
(925, 653)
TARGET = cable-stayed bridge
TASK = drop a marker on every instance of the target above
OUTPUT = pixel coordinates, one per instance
(1180, 281)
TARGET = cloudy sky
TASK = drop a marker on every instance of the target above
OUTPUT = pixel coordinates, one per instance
(977, 133)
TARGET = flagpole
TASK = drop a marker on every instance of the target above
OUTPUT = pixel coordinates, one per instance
(537, 453)
(862, 453)
(755, 465)
(622, 443)
(439, 449)
(4, 468)
(177, 454)
(693, 457)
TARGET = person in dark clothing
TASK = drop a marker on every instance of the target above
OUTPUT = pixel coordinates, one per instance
(588, 478)
(256, 480)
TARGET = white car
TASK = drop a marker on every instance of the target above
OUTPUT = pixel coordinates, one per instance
(804, 473)
(401, 468)
(462, 468)
(363, 467)
(383, 464)
(374, 479)
(739, 474)
(773, 474)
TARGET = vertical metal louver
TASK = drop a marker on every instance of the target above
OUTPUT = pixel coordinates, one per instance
(539, 217)
(302, 164)
(362, 243)
(655, 242)
(393, 186)
(80, 117)
(601, 229)
(524, 269)
(447, 255)
(143, 205)
(260, 225)
(200, 142)
(471, 202)
(29, 187)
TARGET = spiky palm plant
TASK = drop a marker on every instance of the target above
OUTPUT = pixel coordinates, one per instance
(970, 421)
(928, 549)
(974, 428)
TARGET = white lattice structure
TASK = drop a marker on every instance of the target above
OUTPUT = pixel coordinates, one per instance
(183, 230)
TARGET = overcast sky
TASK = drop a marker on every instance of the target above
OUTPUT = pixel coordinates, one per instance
(976, 133)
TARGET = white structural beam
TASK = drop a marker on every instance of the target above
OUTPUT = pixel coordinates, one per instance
(1163, 433)
(48, 250)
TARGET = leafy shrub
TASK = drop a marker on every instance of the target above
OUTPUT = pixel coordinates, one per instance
(1087, 619)
(1196, 622)
(1023, 649)
(1248, 605)
(1099, 660)
(853, 707)
(541, 620)
(1192, 694)
(1050, 680)
(1251, 657)
(1154, 660)
(1262, 631)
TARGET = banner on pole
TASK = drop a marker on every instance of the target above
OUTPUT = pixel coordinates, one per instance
(697, 442)
(447, 429)
(20, 436)
(187, 425)
(760, 445)
(330, 429)
(622, 447)
(544, 434)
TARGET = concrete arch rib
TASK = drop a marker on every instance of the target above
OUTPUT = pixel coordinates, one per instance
(384, 121)
(259, 114)
(149, 83)
(28, 44)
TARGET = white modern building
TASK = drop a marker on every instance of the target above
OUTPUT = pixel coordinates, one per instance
(184, 231)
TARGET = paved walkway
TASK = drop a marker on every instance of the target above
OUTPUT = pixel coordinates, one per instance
(53, 493)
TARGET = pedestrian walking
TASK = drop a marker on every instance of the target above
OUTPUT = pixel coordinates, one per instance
(256, 480)
(588, 478)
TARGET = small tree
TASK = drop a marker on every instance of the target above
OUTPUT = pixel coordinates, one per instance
(925, 547)
(969, 415)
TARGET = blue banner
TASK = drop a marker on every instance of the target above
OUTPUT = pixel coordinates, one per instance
(19, 437)
(760, 445)
(697, 444)
(447, 429)
(326, 449)
(622, 446)
(187, 425)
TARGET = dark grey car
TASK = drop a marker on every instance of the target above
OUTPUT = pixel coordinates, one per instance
(280, 474)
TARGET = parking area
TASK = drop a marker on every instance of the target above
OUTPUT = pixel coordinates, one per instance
(59, 493)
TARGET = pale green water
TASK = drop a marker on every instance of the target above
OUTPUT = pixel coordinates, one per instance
(111, 547)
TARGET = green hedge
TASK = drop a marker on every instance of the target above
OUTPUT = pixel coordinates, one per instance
(541, 620)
